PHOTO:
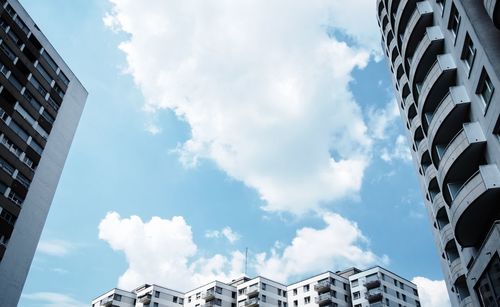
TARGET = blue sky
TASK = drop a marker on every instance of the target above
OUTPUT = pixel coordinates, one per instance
(226, 149)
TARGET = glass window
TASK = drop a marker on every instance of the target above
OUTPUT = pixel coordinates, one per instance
(356, 295)
(36, 147)
(264, 298)
(8, 52)
(468, 52)
(454, 23)
(49, 60)
(307, 300)
(157, 293)
(18, 130)
(488, 286)
(306, 288)
(485, 88)
(44, 73)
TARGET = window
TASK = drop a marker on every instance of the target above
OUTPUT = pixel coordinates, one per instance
(485, 88)
(36, 147)
(155, 304)
(233, 294)
(22, 25)
(306, 288)
(24, 114)
(49, 118)
(38, 86)
(10, 10)
(488, 285)
(346, 298)
(49, 60)
(385, 289)
(15, 83)
(397, 294)
(415, 292)
(218, 302)
(307, 300)
(404, 297)
(189, 299)
(18, 130)
(279, 303)
(294, 291)
(354, 283)
(8, 52)
(284, 293)
(198, 295)
(345, 286)
(279, 291)
(356, 295)
(454, 23)
(181, 301)
(263, 286)
(174, 299)
(63, 78)
(383, 276)
(218, 290)
(401, 285)
(284, 304)
(117, 297)
(9, 169)
(468, 52)
(295, 303)
(157, 293)
(387, 302)
(264, 298)
(44, 73)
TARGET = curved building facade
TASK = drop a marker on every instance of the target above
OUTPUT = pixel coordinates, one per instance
(444, 56)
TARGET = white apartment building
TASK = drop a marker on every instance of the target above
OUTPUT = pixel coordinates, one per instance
(349, 288)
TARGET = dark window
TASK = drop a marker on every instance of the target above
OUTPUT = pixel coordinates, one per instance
(485, 88)
(468, 52)
(157, 293)
(454, 23)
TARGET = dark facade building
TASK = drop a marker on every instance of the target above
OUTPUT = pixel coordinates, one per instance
(444, 56)
(41, 102)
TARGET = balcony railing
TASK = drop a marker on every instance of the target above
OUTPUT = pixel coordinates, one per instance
(252, 302)
(322, 286)
(145, 299)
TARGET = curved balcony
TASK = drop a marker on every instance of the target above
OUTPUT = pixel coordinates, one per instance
(398, 66)
(456, 270)
(446, 234)
(437, 83)
(461, 159)
(421, 150)
(437, 203)
(402, 81)
(405, 8)
(384, 21)
(493, 9)
(380, 10)
(414, 125)
(419, 21)
(430, 173)
(393, 51)
(411, 110)
(429, 47)
(447, 119)
(476, 204)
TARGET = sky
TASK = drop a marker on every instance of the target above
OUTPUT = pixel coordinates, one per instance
(221, 126)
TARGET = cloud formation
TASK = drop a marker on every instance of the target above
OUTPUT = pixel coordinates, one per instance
(163, 251)
(225, 232)
(432, 293)
(264, 87)
(55, 247)
(339, 245)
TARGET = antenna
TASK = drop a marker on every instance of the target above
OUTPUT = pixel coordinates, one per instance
(246, 260)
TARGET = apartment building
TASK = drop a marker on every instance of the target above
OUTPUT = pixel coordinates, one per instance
(41, 102)
(349, 288)
(444, 57)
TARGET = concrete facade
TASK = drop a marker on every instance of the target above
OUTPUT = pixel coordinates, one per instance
(327, 289)
(444, 57)
(41, 101)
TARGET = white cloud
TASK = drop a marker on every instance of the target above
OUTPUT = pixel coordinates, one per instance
(52, 299)
(432, 293)
(379, 120)
(226, 232)
(55, 247)
(262, 86)
(339, 245)
(400, 151)
(162, 251)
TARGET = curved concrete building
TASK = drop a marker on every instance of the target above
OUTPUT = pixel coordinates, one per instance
(444, 56)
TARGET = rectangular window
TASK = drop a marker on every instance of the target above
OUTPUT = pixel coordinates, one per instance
(44, 73)
(9, 169)
(441, 3)
(454, 22)
(218, 290)
(404, 297)
(294, 291)
(181, 301)
(263, 286)
(279, 303)
(23, 180)
(18, 130)
(279, 291)
(49, 60)
(485, 88)
(34, 103)
(15, 83)
(38, 86)
(22, 25)
(306, 288)
(8, 52)
(295, 303)
(155, 304)
(36, 147)
(468, 52)
(10, 10)
(356, 295)
(264, 298)
(307, 300)
(24, 114)
(118, 297)
(63, 78)
(354, 283)
(174, 299)
(157, 293)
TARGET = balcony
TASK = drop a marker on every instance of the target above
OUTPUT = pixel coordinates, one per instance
(324, 299)
(446, 234)
(421, 150)
(402, 15)
(107, 301)
(372, 284)
(398, 66)
(145, 299)
(323, 286)
(209, 304)
(493, 9)
(476, 203)
(411, 110)
(437, 203)
(460, 159)
(208, 296)
(455, 270)
(429, 47)
(252, 302)
(437, 83)
(374, 297)
(253, 292)
(430, 173)
(393, 50)
(447, 119)
(419, 21)
(466, 302)
(485, 254)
